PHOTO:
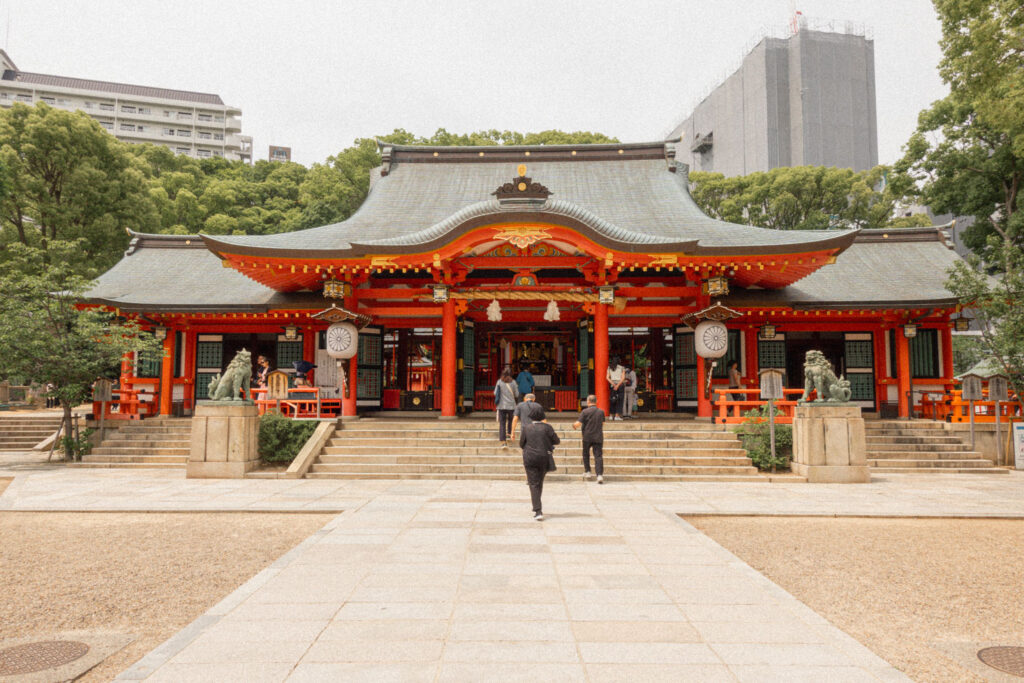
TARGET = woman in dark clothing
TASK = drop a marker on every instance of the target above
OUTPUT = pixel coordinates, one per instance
(538, 441)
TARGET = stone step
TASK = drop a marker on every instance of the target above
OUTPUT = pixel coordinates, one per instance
(610, 468)
(609, 451)
(556, 476)
(924, 455)
(148, 443)
(370, 424)
(903, 424)
(492, 433)
(895, 438)
(170, 431)
(515, 459)
(135, 436)
(104, 449)
(929, 463)
(490, 443)
(114, 458)
(133, 465)
(938, 470)
(922, 447)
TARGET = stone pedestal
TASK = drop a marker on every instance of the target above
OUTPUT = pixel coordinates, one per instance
(829, 444)
(224, 438)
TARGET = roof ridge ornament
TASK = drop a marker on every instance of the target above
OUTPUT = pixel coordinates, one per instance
(522, 190)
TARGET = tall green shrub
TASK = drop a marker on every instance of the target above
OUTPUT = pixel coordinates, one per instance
(756, 438)
(282, 438)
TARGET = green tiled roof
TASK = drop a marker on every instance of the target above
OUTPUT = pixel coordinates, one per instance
(638, 198)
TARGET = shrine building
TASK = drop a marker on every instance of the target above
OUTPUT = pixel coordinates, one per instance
(465, 260)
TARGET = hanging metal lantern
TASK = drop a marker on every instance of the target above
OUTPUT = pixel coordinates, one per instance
(768, 331)
(717, 285)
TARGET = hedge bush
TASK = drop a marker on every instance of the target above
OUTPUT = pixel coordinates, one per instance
(755, 436)
(282, 438)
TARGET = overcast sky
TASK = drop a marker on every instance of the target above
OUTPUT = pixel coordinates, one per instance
(316, 75)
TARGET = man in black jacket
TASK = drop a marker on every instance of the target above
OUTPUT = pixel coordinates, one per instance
(538, 441)
(592, 422)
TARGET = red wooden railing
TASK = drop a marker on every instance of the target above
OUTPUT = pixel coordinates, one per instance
(732, 412)
(955, 409)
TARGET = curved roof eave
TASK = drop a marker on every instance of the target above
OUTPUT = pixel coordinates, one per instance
(558, 212)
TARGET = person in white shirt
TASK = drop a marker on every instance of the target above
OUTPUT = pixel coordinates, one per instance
(629, 394)
(616, 376)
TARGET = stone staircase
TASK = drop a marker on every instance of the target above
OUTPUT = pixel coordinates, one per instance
(155, 442)
(21, 433)
(921, 446)
(388, 448)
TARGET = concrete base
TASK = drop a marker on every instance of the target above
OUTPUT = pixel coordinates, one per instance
(224, 436)
(832, 474)
(829, 445)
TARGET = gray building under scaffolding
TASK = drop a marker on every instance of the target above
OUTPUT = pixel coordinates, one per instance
(807, 99)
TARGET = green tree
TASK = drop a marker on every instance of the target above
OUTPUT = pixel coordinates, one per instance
(968, 149)
(968, 155)
(807, 198)
(68, 180)
(46, 336)
(997, 303)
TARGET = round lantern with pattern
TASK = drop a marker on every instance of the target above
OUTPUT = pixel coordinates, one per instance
(342, 340)
(711, 339)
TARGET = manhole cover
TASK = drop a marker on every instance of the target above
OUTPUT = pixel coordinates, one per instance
(1005, 658)
(46, 654)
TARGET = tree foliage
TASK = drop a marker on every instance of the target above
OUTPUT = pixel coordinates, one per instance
(807, 198)
(968, 149)
(63, 177)
(45, 337)
(968, 154)
(67, 179)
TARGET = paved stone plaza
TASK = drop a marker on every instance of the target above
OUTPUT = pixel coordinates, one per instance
(453, 580)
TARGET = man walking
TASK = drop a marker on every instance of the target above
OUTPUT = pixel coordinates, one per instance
(591, 421)
(521, 414)
(538, 442)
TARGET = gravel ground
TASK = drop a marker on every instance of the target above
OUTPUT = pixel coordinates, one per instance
(144, 574)
(896, 585)
(4, 481)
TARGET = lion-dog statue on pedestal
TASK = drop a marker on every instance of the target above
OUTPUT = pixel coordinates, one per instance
(819, 376)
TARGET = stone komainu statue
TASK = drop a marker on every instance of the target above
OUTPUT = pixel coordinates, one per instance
(226, 387)
(819, 376)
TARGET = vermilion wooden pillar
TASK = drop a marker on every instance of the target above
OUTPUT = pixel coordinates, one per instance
(947, 353)
(188, 370)
(449, 335)
(750, 342)
(903, 372)
(881, 369)
(601, 388)
(167, 374)
(349, 406)
(704, 407)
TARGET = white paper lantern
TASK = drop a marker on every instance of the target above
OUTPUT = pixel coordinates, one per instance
(711, 339)
(494, 311)
(342, 340)
(552, 314)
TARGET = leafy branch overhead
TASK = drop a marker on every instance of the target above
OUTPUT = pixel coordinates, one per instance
(808, 198)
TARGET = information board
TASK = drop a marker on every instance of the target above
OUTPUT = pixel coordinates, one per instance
(1018, 445)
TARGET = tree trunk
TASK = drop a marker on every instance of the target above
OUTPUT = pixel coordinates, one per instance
(68, 452)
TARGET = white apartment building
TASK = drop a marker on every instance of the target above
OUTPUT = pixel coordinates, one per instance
(193, 123)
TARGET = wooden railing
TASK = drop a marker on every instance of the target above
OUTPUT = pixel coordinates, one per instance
(956, 409)
(126, 404)
(732, 412)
